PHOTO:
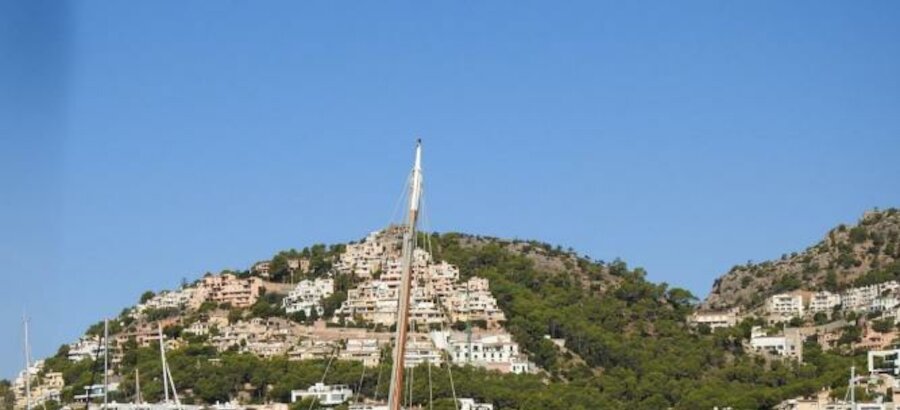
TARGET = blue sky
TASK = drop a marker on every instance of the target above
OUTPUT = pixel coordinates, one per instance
(143, 143)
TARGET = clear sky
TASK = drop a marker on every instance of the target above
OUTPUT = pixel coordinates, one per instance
(146, 142)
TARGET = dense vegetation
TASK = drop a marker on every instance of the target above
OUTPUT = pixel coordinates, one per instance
(632, 340)
(7, 400)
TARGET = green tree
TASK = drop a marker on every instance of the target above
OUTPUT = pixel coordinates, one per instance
(146, 296)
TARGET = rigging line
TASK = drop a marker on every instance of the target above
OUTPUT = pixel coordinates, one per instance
(452, 385)
(172, 384)
(409, 387)
(430, 389)
(359, 387)
(93, 369)
(426, 225)
(380, 372)
(409, 380)
(449, 362)
(400, 200)
(325, 373)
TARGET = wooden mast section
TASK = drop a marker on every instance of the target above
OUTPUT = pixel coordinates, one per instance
(395, 394)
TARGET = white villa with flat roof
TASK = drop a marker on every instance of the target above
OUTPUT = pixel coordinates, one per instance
(326, 394)
(308, 295)
(785, 305)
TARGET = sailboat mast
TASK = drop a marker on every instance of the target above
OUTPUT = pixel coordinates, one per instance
(162, 357)
(27, 365)
(137, 385)
(395, 394)
(105, 363)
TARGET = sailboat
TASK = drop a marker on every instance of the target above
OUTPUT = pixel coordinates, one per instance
(410, 230)
(27, 365)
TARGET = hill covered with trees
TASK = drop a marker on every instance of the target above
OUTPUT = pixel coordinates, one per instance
(628, 344)
(865, 253)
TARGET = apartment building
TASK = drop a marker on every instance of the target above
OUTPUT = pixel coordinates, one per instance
(472, 301)
(785, 305)
(43, 389)
(420, 349)
(175, 299)
(824, 301)
(86, 347)
(861, 299)
(715, 319)
(364, 259)
(490, 349)
(367, 351)
(788, 343)
(263, 337)
(228, 288)
(312, 349)
(307, 296)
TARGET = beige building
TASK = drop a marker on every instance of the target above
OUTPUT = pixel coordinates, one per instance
(228, 288)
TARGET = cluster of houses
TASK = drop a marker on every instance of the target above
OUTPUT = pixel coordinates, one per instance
(882, 297)
(44, 386)
(226, 288)
(437, 297)
(440, 299)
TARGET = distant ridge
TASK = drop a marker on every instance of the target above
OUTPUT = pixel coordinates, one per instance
(866, 252)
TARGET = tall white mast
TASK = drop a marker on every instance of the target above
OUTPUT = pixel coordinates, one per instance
(27, 365)
(395, 394)
(137, 385)
(105, 363)
(162, 356)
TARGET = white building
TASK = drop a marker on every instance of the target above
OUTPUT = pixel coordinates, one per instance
(824, 302)
(785, 305)
(471, 404)
(884, 362)
(95, 391)
(860, 299)
(308, 295)
(490, 349)
(883, 304)
(367, 351)
(788, 344)
(171, 299)
(327, 395)
(86, 347)
(716, 319)
(472, 301)
(421, 350)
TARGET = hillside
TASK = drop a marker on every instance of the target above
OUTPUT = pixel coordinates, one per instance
(847, 255)
(627, 343)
